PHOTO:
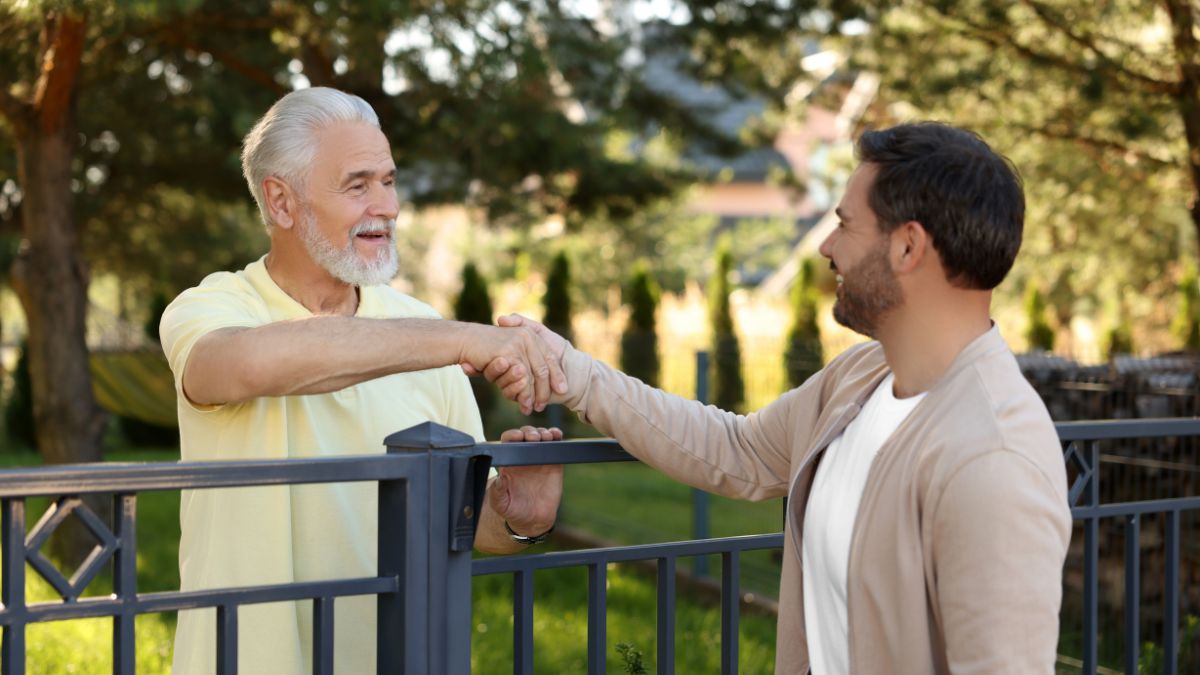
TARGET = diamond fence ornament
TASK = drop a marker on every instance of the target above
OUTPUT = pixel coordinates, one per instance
(56, 515)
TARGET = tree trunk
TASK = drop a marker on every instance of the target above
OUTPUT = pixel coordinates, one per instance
(49, 274)
(52, 283)
(1187, 53)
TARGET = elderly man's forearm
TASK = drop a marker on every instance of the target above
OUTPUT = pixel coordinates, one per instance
(315, 356)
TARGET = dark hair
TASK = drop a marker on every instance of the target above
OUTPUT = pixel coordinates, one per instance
(968, 197)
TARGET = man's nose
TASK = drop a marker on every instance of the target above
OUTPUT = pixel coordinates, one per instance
(385, 203)
(826, 247)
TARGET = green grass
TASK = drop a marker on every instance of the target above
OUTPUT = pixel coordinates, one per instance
(560, 615)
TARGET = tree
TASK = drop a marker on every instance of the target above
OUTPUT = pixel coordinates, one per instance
(725, 369)
(1038, 333)
(475, 304)
(49, 276)
(511, 108)
(804, 355)
(557, 300)
(639, 341)
(1097, 104)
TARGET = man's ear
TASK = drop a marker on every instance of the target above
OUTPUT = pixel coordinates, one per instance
(281, 202)
(910, 244)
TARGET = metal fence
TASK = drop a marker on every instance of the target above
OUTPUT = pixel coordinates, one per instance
(431, 487)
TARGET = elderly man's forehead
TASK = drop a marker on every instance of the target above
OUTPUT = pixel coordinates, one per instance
(353, 148)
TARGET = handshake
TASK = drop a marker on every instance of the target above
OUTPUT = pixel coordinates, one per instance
(520, 356)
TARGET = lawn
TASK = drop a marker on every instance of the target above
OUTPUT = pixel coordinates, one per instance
(660, 506)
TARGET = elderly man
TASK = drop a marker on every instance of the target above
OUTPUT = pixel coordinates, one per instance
(927, 517)
(308, 353)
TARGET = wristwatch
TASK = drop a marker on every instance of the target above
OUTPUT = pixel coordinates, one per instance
(528, 541)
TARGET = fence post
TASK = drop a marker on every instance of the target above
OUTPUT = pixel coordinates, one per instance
(426, 532)
(701, 509)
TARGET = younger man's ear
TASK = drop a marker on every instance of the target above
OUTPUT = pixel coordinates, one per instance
(910, 242)
(281, 203)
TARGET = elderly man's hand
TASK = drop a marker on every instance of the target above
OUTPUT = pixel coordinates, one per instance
(530, 367)
(527, 497)
(511, 383)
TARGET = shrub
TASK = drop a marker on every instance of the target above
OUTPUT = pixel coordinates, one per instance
(1038, 333)
(725, 368)
(474, 304)
(1186, 326)
(804, 355)
(557, 301)
(18, 413)
(639, 342)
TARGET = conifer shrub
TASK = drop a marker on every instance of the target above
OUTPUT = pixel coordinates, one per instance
(803, 356)
(1038, 333)
(474, 304)
(639, 342)
(725, 366)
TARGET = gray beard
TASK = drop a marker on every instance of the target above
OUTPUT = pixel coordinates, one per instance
(344, 264)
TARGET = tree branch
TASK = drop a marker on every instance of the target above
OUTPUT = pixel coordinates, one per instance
(60, 71)
(1001, 39)
(1089, 43)
(1067, 133)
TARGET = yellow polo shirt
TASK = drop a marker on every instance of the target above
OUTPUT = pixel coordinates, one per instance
(269, 535)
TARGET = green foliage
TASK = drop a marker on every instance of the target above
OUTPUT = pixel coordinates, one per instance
(557, 300)
(803, 356)
(1153, 658)
(18, 412)
(158, 305)
(1038, 333)
(631, 658)
(474, 304)
(725, 368)
(1186, 326)
(639, 341)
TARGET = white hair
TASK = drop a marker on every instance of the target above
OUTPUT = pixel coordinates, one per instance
(283, 142)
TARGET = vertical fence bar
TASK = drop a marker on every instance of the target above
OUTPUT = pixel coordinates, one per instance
(730, 597)
(449, 570)
(523, 622)
(399, 531)
(701, 503)
(227, 640)
(666, 616)
(1171, 597)
(597, 616)
(322, 651)
(1091, 555)
(1133, 592)
(124, 644)
(12, 656)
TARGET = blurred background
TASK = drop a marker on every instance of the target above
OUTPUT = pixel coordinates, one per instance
(651, 177)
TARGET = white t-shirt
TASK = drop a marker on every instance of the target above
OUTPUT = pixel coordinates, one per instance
(829, 524)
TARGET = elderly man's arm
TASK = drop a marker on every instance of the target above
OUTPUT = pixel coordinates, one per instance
(328, 353)
(526, 497)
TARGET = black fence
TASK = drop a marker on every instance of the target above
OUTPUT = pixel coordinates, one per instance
(431, 485)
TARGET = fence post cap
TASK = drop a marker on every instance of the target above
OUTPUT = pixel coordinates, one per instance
(428, 436)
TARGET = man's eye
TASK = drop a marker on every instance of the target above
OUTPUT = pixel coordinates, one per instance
(358, 187)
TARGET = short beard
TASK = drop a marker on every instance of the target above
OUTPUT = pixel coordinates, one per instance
(344, 264)
(869, 291)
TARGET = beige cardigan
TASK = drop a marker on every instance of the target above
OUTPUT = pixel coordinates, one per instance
(957, 553)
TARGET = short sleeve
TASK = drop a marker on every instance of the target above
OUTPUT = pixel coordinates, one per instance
(197, 312)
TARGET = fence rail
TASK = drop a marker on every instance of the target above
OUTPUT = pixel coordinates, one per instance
(430, 485)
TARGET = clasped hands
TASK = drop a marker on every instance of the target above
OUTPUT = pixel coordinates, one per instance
(520, 356)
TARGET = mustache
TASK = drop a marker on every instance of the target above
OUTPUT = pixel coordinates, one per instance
(374, 225)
